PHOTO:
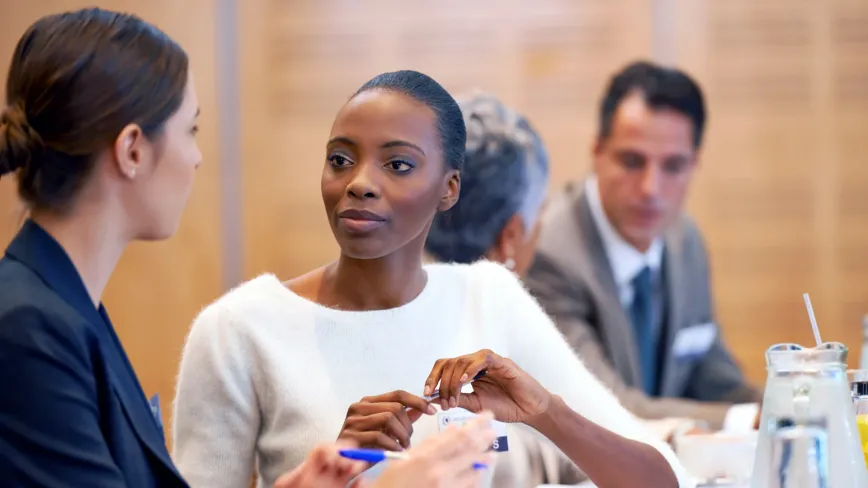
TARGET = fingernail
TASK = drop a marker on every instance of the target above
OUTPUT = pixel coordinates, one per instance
(444, 404)
(431, 409)
(464, 378)
(454, 402)
(427, 390)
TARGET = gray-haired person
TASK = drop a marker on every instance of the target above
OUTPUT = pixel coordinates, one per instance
(503, 190)
(504, 184)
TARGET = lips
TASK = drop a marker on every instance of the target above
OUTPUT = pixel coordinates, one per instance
(360, 221)
(646, 215)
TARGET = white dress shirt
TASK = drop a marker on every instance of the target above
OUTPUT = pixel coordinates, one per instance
(627, 262)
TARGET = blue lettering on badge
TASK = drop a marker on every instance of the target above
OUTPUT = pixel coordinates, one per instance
(459, 416)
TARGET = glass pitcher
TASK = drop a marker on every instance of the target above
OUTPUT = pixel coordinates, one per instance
(810, 383)
(800, 453)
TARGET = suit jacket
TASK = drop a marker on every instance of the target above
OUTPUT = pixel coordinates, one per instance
(572, 278)
(72, 412)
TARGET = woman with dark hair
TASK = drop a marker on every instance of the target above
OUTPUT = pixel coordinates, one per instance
(346, 351)
(100, 131)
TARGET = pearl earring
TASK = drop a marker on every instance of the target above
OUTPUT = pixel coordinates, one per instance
(509, 263)
(132, 173)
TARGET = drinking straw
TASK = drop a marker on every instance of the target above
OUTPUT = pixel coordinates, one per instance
(813, 318)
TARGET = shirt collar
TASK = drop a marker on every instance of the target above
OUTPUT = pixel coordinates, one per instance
(626, 261)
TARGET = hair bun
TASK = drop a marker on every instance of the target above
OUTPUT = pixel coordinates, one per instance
(18, 141)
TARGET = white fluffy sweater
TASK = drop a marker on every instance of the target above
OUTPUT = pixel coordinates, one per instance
(267, 374)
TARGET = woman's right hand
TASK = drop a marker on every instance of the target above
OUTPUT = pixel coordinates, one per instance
(323, 468)
(507, 390)
(445, 460)
(384, 421)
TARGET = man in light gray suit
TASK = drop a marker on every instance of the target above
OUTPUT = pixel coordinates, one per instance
(624, 273)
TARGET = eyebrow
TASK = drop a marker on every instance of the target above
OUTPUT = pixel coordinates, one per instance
(396, 143)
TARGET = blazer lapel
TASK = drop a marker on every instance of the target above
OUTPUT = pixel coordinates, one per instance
(617, 333)
(46, 257)
(673, 267)
(132, 396)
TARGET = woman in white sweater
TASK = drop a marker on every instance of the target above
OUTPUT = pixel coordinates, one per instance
(272, 368)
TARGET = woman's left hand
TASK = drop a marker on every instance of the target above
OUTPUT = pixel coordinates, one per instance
(506, 390)
(323, 468)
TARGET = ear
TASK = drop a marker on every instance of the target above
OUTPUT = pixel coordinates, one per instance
(596, 150)
(452, 190)
(128, 150)
(510, 238)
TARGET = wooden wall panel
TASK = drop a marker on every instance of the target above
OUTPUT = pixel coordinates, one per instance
(781, 194)
(11, 212)
(780, 191)
(158, 287)
(301, 60)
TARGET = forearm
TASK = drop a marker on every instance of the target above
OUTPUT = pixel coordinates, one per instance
(602, 454)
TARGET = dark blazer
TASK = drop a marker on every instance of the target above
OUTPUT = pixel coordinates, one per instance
(572, 278)
(72, 411)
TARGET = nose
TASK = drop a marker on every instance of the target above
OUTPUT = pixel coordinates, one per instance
(651, 179)
(364, 183)
(198, 157)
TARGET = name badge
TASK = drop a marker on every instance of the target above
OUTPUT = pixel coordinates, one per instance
(155, 410)
(693, 342)
(460, 416)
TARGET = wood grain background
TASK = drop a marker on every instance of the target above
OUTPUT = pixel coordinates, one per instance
(782, 194)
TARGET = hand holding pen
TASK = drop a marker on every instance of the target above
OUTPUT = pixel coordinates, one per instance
(384, 421)
(504, 389)
(452, 459)
(456, 458)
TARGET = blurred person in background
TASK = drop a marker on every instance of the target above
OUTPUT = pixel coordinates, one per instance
(624, 272)
(353, 349)
(504, 185)
(503, 190)
(100, 132)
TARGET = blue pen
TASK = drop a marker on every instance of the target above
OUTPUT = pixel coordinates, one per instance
(436, 392)
(377, 455)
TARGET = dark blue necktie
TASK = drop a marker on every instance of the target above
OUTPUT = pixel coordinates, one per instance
(642, 316)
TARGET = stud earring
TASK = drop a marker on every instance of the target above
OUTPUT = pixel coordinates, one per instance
(132, 173)
(509, 263)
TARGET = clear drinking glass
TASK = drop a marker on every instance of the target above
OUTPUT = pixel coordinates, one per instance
(805, 383)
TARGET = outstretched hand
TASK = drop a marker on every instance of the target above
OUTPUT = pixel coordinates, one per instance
(323, 468)
(445, 460)
(506, 390)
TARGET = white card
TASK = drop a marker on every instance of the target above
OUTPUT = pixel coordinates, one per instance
(460, 416)
(694, 341)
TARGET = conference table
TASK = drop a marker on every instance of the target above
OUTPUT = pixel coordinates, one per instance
(720, 484)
